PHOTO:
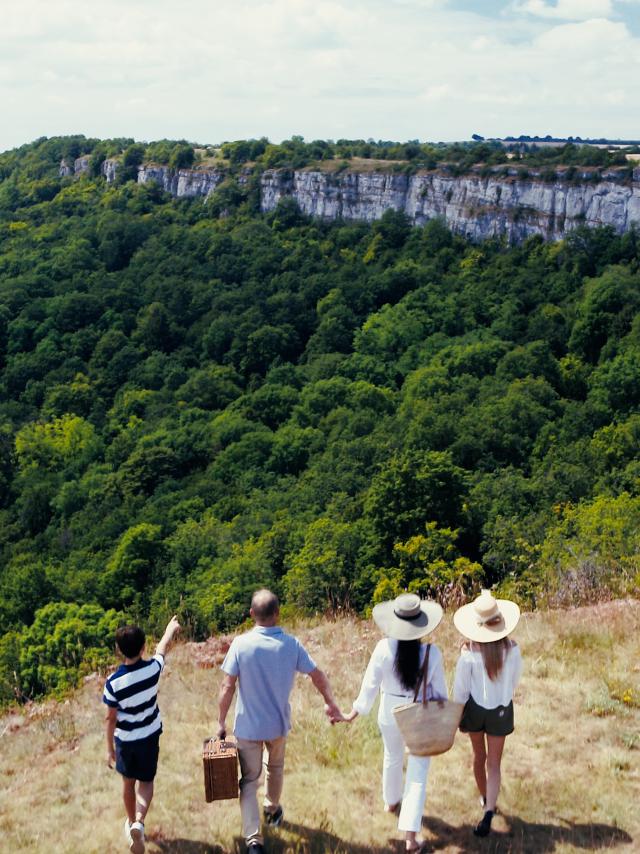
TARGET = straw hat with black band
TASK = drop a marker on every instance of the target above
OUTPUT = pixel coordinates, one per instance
(487, 619)
(407, 617)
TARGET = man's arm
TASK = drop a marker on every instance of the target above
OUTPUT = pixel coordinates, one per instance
(110, 726)
(321, 684)
(172, 627)
(227, 690)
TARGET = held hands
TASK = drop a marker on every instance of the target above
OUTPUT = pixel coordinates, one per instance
(335, 715)
(332, 711)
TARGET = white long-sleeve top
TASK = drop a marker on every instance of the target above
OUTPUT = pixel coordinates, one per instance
(380, 676)
(472, 679)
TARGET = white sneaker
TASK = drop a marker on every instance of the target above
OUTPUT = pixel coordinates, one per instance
(136, 846)
(127, 831)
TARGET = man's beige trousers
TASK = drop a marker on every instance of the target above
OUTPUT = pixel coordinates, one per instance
(250, 754)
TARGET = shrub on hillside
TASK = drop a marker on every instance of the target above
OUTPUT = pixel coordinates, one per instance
(65, 641)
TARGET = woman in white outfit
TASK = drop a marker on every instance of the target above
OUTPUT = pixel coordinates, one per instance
(487, 673)
(393, 671)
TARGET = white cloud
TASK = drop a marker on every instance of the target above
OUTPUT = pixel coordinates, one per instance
(594, 35)
(570, 10)
(324, 68)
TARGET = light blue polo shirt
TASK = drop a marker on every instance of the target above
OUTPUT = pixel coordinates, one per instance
(265, 660)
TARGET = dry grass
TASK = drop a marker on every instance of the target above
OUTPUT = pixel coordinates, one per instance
(571, 780)
(354, 164)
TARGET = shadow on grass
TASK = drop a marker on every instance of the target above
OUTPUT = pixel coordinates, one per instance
(319, 840)
(523, 837)
(306, 840)
(520, 837)
(185, 846)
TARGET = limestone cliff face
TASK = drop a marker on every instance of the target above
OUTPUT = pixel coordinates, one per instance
(503, 202)
(81, 165)
(182, 183)
(109, 168)
(476, 206)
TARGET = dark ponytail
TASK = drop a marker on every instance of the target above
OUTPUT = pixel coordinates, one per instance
(407, 663)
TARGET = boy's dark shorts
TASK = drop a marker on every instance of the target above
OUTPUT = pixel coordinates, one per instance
(498, 721)
(138, 759)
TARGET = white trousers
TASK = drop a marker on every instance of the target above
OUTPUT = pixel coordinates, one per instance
(415, 787)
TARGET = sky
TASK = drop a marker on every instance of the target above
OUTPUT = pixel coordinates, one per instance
(215, 70)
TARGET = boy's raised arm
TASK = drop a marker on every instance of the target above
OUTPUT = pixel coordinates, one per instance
(173, 626)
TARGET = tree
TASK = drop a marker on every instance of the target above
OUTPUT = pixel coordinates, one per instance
(57, 444)
(119, 236)
(431, 565)
(24, 588)
(132, 566)
(213, 387)
(605, 312)
(131, 160)
(411, 489)
(145, 468)
(65, 641)
(323, 574)
(154, 327)
(182, 156)
(394, 228)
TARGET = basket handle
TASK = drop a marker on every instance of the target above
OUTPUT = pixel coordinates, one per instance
(224, 741)
(423, 678)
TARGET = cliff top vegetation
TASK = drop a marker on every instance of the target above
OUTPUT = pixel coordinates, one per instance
(41, 159)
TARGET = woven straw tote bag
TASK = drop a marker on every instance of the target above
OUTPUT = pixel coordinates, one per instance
(428, 727)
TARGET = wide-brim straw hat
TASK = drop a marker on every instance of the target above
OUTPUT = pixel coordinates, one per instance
(407, 617)
(486, 619)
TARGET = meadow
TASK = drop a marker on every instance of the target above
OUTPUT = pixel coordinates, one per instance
(571, 776)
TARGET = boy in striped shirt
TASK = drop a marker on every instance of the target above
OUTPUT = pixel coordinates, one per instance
(133, 724)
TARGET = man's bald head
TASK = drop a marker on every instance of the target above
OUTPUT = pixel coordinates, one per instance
(265, 607)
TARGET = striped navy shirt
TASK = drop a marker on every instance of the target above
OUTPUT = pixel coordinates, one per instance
(133, 691)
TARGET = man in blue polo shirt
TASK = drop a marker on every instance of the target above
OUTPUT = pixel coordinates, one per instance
(264, 663)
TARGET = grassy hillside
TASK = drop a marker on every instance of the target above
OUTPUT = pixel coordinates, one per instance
(571, 771)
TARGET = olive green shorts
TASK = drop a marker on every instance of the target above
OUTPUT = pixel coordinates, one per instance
(498, 721)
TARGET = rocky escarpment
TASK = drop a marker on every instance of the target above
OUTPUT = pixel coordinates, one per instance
(182, 183)
(504, 202)
(475, 205)
(81, 166)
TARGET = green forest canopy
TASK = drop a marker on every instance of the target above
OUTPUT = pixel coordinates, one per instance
(194, 405)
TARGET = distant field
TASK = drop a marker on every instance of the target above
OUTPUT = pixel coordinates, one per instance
(571, 770)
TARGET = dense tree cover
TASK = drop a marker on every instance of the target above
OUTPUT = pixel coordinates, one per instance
(191, 406)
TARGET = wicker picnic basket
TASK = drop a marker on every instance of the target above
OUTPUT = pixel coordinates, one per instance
(220, 761)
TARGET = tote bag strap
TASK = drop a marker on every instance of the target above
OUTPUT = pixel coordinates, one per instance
(423, 678)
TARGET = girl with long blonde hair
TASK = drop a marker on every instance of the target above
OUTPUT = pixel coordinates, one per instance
(487, 673)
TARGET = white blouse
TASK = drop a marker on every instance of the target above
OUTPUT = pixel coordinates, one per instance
(380, 676)
(472, 679)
